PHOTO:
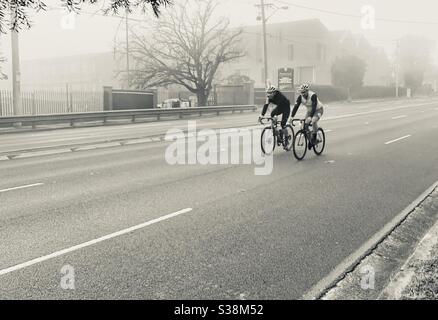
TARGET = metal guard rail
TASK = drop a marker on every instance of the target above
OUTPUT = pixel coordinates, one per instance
(119, 114)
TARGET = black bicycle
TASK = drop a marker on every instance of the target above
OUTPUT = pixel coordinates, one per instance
(303, 140)
(272, 136)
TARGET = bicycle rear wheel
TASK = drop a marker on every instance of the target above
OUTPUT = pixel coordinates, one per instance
(290, 138)
(268, 141)
(300, 145)
(319, 147)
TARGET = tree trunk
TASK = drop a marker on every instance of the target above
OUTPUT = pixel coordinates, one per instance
(202, 99)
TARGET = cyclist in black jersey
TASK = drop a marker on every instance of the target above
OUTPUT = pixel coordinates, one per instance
(282, 107)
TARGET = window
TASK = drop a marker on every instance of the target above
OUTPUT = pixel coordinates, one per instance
(290, 52)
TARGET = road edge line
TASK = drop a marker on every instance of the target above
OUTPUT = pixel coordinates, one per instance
(349, 263)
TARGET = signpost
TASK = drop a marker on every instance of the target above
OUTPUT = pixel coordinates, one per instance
(286, 83)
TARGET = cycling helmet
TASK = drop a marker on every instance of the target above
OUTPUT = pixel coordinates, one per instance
(304, 88)
(271, 89)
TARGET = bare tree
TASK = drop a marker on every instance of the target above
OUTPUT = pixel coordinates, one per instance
(15, 12)
(185, 47)
(2, 75)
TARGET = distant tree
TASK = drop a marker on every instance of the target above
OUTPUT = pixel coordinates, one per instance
(348, 72)
(14, 13)
(415, 59)
(185, 47)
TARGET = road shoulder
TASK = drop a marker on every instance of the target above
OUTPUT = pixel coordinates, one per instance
(401, 265)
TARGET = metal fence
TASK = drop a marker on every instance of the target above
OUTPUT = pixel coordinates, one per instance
(130, 115)
(40, 102)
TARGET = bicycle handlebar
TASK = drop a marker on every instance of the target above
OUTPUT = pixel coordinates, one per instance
(267, 120)
(298, 120)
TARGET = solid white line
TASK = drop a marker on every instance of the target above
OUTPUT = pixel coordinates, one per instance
(398, 139)
(91, 242)
(328, 130)
(399, 117)
(22, 187)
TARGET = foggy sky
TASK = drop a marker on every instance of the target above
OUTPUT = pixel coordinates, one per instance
(96, 33)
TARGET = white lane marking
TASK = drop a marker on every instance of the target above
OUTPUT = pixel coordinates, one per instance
(91, 242)
(22, 187)
(328, 130)
(348, 115)
(399, 117)
(398, 139)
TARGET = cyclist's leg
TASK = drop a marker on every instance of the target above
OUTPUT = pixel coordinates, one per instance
(307, 122)
(275, 111)
(285, 116)
(315, 126)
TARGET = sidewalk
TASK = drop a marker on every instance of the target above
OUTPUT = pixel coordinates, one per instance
(404, 265)
(418, 277)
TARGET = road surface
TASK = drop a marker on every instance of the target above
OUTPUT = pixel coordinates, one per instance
(128, 225)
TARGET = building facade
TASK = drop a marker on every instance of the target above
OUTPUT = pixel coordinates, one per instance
(309, 48)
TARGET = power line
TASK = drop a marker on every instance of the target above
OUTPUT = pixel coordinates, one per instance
(356, 15)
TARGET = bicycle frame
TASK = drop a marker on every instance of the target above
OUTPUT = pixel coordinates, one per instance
(274, 126)
(304, 126)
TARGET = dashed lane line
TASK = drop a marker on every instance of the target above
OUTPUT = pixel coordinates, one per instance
(91, 242)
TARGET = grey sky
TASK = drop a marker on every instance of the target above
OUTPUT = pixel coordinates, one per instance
(96, 33)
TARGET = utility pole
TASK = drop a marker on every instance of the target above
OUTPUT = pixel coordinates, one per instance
(264, 19)
(397, 65)
(265, 47)
(15, 72)
(127, 51)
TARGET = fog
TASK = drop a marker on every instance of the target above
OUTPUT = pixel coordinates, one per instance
(95, 33)
(90, 32)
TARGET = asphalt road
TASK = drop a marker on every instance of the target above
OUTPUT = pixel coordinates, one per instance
(246, 236)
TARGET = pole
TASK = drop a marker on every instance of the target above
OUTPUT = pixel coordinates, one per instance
(397, 64)
(16, 94)
(127, 51)
(265, 47)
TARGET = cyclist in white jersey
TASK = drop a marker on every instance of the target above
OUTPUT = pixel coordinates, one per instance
(314, 108)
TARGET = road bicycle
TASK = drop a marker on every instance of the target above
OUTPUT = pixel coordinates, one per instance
(303, 140)
(272, 135)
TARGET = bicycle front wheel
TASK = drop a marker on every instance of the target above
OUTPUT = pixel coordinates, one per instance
(319, 146)
(300, 145)
(268, 141)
